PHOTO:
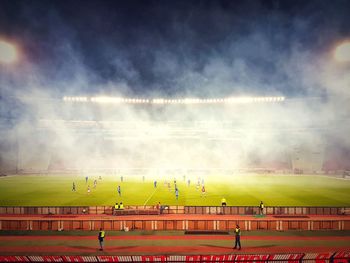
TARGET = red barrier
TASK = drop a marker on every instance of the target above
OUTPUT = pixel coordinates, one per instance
(341, 257)
(177, 258)
(150, 258)
(318, 258)
(338, 257)
(52, 258)
(79, 258)
(290, 258)
(62, 258)
(41, 259)
(14, 259)
(114, 258)
(252, 258)
(218, 258)
(193, 258)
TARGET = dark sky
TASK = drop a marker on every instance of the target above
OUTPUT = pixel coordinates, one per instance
(172, 48)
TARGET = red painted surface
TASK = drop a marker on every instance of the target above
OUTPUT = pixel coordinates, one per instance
(186, 237)
(168, 250)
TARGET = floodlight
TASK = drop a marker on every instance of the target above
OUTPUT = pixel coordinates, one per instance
(231, 100)
(8, 52)
(158, 101)
(342, 52)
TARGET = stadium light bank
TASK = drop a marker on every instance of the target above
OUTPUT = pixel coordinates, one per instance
(120, 100)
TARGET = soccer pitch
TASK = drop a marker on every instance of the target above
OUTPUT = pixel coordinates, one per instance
(238, 189)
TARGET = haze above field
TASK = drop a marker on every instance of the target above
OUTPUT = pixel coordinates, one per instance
(180, 49)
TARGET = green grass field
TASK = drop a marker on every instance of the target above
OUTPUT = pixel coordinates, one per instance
(239, 189)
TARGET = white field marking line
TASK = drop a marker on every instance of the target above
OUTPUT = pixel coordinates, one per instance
(312, 175)
(331, 177)
(7, 176)
(150, 197)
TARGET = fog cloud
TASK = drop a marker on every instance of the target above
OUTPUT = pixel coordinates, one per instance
(193, 52)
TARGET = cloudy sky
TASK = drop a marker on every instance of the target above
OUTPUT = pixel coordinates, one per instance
(172, 48)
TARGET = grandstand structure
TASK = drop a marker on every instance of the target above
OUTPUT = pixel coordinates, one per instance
(141, 135)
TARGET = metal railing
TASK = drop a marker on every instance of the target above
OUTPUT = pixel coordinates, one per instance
(204, 210)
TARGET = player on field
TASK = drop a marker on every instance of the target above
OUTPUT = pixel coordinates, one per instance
(73, 187)
(119, 190)
(95, 183)
(203, 190)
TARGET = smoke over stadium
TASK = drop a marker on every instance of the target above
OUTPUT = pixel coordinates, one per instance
(199, 86)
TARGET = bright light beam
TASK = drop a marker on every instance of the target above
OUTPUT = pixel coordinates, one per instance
(342, 52)
(8, 52)
(232, 100)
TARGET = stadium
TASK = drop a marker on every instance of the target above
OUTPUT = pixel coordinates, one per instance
(139, 145)
(171, 174)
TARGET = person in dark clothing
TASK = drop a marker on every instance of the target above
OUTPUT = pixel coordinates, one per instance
(261, 208)
(237, 237)
(119, 190)
(101, 236)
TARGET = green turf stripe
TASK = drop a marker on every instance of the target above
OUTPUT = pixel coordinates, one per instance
(246, 190)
